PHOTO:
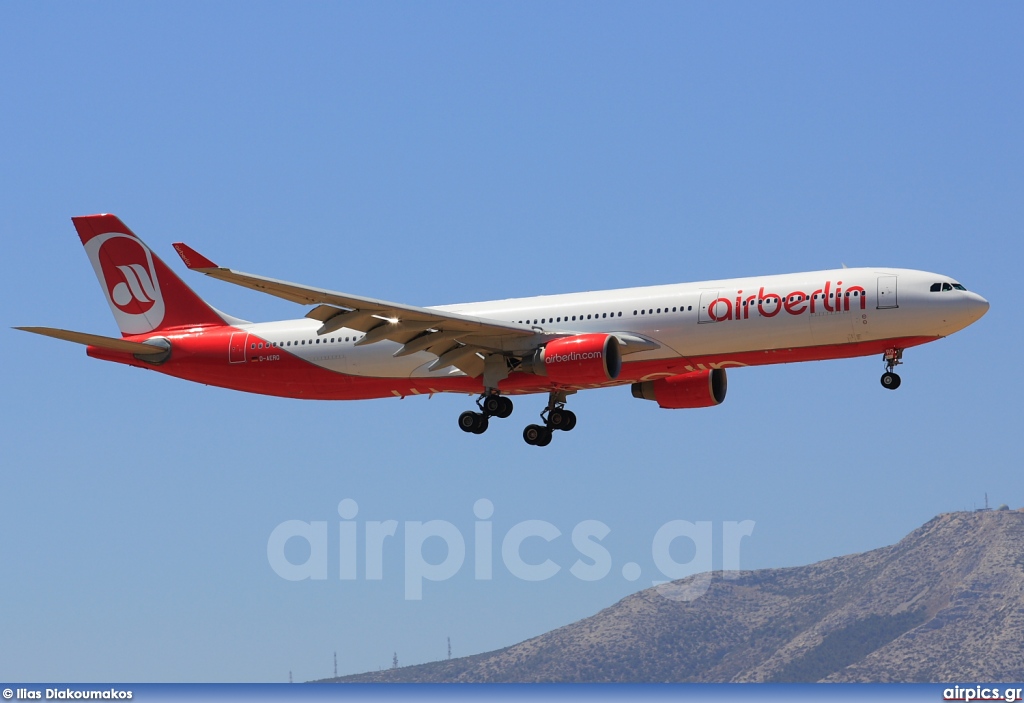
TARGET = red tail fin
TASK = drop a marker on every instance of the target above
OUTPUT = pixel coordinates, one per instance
(143, 293)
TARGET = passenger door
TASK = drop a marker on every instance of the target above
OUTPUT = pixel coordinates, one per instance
(887, 292)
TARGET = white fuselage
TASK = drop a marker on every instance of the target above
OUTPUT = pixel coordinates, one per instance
(703, 319)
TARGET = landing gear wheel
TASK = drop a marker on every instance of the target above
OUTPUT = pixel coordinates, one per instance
(557, 419)
(561, 419)
(470, 421)
(495, 406)
(890, 380)
(570, 420)
(545, 437)
(467, 421)
(537, 435)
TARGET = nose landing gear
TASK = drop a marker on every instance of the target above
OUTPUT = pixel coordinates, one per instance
(491, 405)
(893, 358)
(555, 417)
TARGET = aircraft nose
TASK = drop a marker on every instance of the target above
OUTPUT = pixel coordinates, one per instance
(976, 306)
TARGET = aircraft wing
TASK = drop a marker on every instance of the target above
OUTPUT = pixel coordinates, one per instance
(454, 338)
(457, 340)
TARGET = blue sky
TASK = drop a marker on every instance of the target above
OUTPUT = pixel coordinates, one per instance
(440, 153)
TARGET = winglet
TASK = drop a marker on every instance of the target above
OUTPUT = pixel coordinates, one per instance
(192, 258)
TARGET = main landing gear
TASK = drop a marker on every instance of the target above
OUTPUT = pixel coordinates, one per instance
(893, 358)
(555, 417)
(491, 405)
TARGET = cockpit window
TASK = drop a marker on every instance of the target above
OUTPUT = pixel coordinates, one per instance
(936, 287)
(958, 286)
(946, 286)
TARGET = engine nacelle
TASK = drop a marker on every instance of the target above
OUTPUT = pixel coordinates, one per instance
(584, 358)
(699, 389)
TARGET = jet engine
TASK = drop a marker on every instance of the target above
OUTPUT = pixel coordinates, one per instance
(581, 359)
(698, 389)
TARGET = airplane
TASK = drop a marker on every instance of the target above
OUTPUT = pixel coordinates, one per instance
(671, 343)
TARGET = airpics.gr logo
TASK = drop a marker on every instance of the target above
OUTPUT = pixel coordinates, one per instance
(363, 548)
(125, 268)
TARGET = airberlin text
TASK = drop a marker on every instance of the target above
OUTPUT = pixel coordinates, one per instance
(572, 356)
(830, 298)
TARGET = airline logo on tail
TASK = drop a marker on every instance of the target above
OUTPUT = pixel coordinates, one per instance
(125, 267)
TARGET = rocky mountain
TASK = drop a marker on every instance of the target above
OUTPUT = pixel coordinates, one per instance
(944, 604)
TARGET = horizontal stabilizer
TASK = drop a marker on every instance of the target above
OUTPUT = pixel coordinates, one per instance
(95, 340)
